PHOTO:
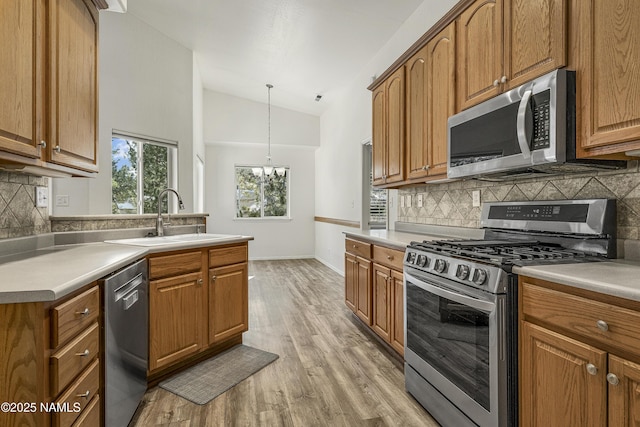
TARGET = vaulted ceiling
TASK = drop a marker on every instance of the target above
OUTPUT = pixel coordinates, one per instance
(302, 47)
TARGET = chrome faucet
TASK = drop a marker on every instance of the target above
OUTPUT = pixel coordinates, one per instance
(159, 224)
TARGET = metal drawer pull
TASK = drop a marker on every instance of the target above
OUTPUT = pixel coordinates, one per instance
(85, 394)
(389, 257)
(199, 281)
(602, 325)
(214, 278)
(83, 354)
(591, 368)
(57, 149)
(612, 379)
(43, 144)
(83, 312)
(355, 247)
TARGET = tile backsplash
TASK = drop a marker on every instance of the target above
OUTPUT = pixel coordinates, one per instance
(451, 203)
(19, 215)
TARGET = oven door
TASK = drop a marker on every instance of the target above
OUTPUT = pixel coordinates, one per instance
(455, 340)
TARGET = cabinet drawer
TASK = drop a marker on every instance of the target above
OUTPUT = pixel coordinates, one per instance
(71, 359)
(582, 316)
(357, 247)
(227, 256)
(73, 316)
(90, 416)
(390, 257)
(80, 393)
(175, 265)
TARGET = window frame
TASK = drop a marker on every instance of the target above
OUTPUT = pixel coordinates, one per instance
(287, 217)
(172, 166)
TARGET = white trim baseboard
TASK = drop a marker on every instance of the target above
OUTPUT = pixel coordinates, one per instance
(341, 273)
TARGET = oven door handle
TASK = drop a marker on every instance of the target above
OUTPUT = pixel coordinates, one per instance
(478, 304)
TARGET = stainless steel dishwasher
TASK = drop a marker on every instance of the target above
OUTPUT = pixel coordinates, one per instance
(126, 324)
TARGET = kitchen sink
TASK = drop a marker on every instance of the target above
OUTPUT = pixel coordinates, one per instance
(173, 240)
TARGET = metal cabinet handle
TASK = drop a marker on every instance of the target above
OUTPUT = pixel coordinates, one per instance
(83, 354)
(355, 246)
(200, 282)
(503, 79)
(85, 394)
(84, 312)
(426, 167)
(591, 368)
(57, 149)
(496, 82)
(389, 257)
(602, 325)
(213, 278)
(612, 379)
(43, 144)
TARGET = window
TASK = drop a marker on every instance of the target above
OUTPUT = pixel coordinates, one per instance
(140, 169)
(262, 195)
(374, 199)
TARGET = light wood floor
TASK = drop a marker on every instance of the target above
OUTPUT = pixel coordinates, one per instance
(330, 373)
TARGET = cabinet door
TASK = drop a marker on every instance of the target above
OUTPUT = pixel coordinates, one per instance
(21, 84)
(363, 298)
(350, 281)
(228, 301)
(175, 318)
(73, 43)
(535, 37)
(417, 122)
(379, 139)
(606, 40)
(624, 396)
(395, 127)
(556, 387)
(397, 311)
(479, 56)
(441, 70)
(381, 322)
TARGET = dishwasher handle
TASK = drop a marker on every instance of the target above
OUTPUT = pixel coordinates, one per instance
(130, 299)
(126, 288)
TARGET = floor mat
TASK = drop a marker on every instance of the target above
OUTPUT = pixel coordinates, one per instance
(212, 377)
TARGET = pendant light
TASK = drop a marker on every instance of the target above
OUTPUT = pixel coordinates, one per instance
(268, 168)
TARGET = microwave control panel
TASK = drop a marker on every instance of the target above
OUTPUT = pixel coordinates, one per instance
(541, 121)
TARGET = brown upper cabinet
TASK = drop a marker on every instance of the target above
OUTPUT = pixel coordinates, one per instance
(430, 98)
(605, 37)
(49, 85)
(505, 43)
(388, 130)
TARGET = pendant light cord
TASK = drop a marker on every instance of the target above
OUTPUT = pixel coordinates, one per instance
(269, 86)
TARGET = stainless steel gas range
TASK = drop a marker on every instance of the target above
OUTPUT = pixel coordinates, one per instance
(461, 303)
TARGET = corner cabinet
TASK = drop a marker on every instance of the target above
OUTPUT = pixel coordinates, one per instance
(374, 289)
(388, 131)
(190, 316)
(505, 43)
(579, 357)
(49, 87)
(606, 57)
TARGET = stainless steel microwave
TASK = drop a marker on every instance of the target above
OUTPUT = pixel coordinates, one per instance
(528, 130)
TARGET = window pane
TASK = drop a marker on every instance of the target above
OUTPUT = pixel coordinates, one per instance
(275, 193)
(155, 176)
(124, 176)
(248, 192)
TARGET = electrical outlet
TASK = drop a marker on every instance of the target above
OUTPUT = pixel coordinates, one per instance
(409, 200)
(419, 200)
(475, 195)
(42, 197)
(62, 200)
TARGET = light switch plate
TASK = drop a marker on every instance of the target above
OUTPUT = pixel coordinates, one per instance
(42, 197)
(419, 200)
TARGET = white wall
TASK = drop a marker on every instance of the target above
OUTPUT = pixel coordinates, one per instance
(198, 138)
(235, 133)
(343, 128)
(146, 87)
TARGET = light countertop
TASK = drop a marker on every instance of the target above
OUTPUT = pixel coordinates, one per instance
(48, 274)
(400, 239)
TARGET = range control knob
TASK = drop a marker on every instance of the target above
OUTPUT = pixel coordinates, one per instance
(411, 257)
(422, 260)
(440, 266)
(462, 272)
(479, 276)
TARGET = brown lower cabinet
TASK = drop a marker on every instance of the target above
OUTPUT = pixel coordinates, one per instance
(188, 316)
(51, 355)
(374, 289)
(579, 357)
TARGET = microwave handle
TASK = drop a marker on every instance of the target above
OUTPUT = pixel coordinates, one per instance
(523, 109)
